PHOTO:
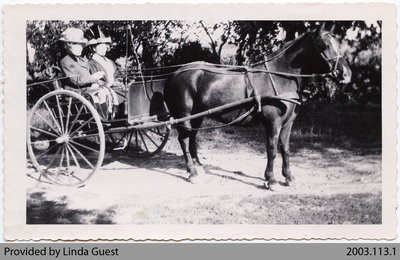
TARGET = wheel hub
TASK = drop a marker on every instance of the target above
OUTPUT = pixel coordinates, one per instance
(62, 139)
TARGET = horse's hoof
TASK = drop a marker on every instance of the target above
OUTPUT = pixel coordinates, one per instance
(289, 181)
(192, 171)
(192, 179)
(272, 186)
(200, 170)
(197, 163)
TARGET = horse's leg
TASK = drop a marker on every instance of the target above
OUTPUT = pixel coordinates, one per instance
(196, 123)
(183, 138)
(284, 148)
(272, 131)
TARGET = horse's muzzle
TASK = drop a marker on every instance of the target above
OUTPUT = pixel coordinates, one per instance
(346, 77)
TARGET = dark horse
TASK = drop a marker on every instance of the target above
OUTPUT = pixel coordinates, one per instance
(199, 86)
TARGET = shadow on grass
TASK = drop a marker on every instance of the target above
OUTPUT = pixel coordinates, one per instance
(39, 210)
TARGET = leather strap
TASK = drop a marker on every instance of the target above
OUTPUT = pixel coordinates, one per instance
(271, 78)
(257, 96)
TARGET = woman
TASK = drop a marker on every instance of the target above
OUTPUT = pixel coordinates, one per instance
(77, 70)
(98, 45)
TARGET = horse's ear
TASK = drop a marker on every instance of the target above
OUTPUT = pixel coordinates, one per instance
(333, 28)
(322, 29)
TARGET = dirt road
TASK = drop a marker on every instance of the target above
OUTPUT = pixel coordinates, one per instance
(333, 186)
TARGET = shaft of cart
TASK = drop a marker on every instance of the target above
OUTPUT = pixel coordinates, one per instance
(173, 121)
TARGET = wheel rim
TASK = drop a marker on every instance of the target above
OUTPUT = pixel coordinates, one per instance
(65, 138)
(142, 143)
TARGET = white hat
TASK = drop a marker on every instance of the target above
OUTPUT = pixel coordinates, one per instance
(73, 35)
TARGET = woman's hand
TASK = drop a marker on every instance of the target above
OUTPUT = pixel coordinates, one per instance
(94, 86)
(98, 75)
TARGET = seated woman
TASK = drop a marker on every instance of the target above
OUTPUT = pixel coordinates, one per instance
(98, 46)
(77, 69)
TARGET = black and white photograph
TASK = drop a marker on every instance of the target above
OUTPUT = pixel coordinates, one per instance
(215, 122)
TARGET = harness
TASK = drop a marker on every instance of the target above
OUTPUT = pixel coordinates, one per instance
(284, 97)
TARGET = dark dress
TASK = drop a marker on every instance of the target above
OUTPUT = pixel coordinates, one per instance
(82, 81)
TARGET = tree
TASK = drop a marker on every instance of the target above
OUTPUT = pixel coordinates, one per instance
(217, 36)
(193, 51)
(152, 43)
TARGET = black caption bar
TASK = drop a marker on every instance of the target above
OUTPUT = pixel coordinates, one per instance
(200, 251)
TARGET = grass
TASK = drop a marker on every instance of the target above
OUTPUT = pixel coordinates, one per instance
(341, 126)
(360, 208)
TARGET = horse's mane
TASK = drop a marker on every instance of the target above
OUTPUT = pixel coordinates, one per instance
(285, 47)
(232, 68)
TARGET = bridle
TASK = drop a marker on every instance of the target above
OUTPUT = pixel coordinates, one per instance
(333, 71)
(332, 67)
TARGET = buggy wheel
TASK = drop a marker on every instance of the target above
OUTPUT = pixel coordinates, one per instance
(65, 138)
(142, 143)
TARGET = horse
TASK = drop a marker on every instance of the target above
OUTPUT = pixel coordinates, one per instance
(199, 86)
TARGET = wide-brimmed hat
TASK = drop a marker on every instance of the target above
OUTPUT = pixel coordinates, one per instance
(73, 35)
(96, 36)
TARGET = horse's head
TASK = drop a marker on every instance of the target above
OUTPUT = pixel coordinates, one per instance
(329, 48)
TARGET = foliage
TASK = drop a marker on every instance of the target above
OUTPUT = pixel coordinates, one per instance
(149, 44)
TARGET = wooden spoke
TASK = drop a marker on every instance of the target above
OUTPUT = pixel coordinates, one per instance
(137, 143)
(156, 132)
(148, 142)
(83, 136)
(84, 146)
(62, 160)
(38, 157)
(52, 115)
(40, 141)
(44, 120)
(52, 160)
(68, 113)
(81, 126)
(43, 131)
(73, 156)
(67, 156)
(122, 138)
(60, 113)
(144, 132)
(144, 142)
(130, 137)
(82, 156)
(75, 119)
(76, 177)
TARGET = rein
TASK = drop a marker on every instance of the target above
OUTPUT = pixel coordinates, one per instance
(247, 69)
(250, 67)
